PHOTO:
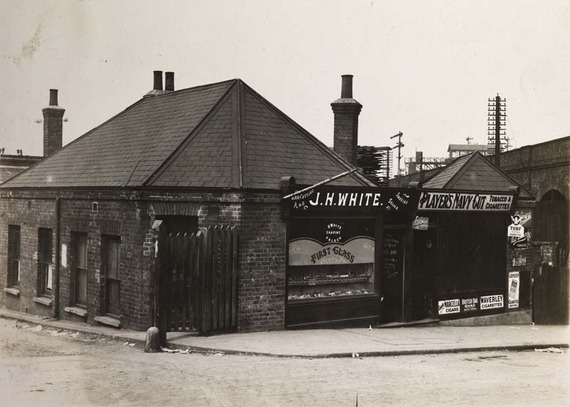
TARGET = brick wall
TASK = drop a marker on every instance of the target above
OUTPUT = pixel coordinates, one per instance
(540, 167)
(29, 213)
(262, 252)
(130, 215)
(108, 216)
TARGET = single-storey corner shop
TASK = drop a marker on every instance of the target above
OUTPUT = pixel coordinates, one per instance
(205, 209)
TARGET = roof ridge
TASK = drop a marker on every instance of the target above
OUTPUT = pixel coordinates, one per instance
(188, 139)
(308, 136)
(464, 167)
(198, 87)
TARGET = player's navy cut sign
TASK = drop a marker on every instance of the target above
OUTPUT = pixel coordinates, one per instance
(327, 199)
(464, 201)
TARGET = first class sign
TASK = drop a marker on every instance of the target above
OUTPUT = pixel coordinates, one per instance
(464, 201)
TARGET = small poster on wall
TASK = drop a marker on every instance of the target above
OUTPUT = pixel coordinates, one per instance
(491, 301)
(448, 307)
(420, 223)
(470, 304)
(519, 231)
(514, 286)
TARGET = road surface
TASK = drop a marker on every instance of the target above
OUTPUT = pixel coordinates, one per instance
(45, 367)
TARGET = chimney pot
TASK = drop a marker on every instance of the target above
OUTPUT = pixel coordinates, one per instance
(53, 97)
(53, 125)
(346, 91)
(346, 111)
(157, 80)
(169, 79)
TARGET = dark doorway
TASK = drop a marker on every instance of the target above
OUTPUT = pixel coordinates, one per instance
(423, 287)
(550, 288)
(552, 219)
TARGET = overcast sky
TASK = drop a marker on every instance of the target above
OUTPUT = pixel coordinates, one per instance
(424, 67)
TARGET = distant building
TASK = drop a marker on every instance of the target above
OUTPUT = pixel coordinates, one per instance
(11, 165)
(458, 150)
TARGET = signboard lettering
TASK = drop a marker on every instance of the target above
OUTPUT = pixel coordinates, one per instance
(391, 255)
(491, 301)
(463, 201)
(331, 241)
(448, 307)
(331, 199)
(469, 304)
(519, 232)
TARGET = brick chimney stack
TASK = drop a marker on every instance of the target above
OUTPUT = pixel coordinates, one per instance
(346, 111)
(53, 125)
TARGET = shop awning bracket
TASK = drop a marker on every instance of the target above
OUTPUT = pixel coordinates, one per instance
(326, 181)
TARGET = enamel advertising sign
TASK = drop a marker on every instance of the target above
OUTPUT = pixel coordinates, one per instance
(464, 201)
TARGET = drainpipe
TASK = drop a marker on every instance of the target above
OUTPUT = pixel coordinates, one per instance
(57, 262)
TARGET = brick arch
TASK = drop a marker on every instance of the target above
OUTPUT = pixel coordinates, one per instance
(552, 195)
(552, 215)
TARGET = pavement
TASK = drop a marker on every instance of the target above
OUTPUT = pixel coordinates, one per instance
(349, 342)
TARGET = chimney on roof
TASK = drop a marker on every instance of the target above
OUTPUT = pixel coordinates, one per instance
(346, 111)
(169, 79)
(53, 125)
(157, 81)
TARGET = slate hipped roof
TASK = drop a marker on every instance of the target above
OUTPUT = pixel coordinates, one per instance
(222, 135)
(474, 172)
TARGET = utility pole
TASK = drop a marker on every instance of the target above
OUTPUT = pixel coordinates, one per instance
(496, 122)
(399, 146)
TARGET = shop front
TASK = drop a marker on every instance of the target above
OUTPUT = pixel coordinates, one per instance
(461, 252)
(346, 254)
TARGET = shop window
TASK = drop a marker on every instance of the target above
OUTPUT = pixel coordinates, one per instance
(110, 263)
(79, 244)
(13, 255)
(45, 262)
(330, 258)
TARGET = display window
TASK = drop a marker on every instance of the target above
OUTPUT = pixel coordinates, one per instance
(331, 258)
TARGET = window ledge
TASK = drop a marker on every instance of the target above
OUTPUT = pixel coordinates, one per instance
(76, 310)
(107, 320)
(44, 301)
(12, 291)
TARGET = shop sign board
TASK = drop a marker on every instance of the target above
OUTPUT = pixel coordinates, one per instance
(469, 304)
(448, 307)
(328, 199)
(491, 301)
(330, 241)
(514, 286)
(464, 201)
(420, 223)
